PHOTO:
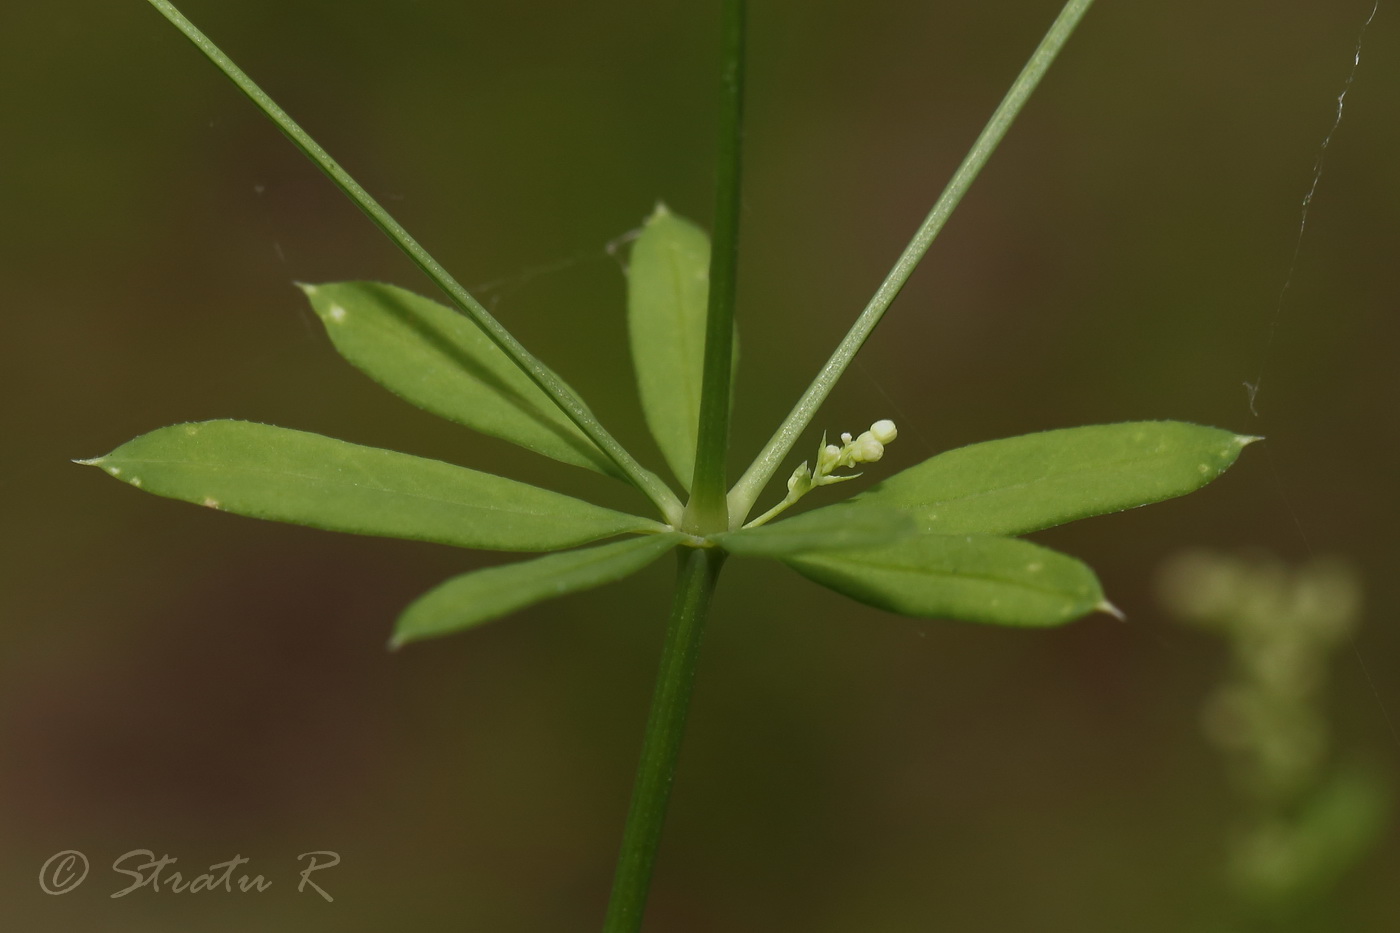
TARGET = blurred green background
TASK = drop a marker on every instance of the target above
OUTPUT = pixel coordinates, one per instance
(203, 685)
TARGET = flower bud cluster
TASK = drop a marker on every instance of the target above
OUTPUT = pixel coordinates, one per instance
(867, 448)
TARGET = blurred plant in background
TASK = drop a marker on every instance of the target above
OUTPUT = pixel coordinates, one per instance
(1306, 816)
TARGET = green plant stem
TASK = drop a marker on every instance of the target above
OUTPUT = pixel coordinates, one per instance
(708, 509)
(699, 569)
(577, 412)
(747, 489)
(707, 512)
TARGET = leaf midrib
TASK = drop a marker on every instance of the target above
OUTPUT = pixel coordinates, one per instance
(951, 574)
(1105, 466)
(254, 471)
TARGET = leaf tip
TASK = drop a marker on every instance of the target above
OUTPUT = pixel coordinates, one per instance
(1244, 440)
(1107, 607)
(659, 211)
(113, 471)
(328, 311)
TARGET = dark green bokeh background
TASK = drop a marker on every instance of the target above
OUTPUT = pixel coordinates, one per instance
(205, 685)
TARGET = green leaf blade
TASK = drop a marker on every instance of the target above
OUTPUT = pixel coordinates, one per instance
(480, 596)
(1000, 581)
(1022, 484)
(279, 474)
(439, 360)
(668, 291)
(843, 526)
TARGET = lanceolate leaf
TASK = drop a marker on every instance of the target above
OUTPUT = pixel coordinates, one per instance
(842, 526)
(483, 595)
(1004, 581)
(440, 361)
(667, 291)
(1022, 484)
(292, 476)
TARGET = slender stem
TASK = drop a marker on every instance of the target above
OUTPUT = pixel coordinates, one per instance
(708, 509)
(699, 568)
(783, 505)
(747, 489)
(706, 512)
(577, 412)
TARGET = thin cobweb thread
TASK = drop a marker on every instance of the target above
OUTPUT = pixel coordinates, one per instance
(1252, 388)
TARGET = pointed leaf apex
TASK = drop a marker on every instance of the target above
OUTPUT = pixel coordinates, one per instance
(1107, 607)
(307, 288)
(95, 461)
(660, 210)
(1244, 440)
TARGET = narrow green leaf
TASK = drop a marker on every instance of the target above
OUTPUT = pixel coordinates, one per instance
(1004, 581)
(1022, 484)
(569, 403)
(483, 595)
(667, 293)
(292, 476)
(842, 526)
(746, 491)
(439, 360)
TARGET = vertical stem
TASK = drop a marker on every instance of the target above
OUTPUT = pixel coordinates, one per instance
(707, 512)
(708, 509)
(699, 568)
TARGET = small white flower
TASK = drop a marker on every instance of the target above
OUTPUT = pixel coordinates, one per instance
(867, 449)
(884, 431)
